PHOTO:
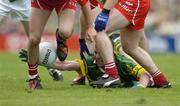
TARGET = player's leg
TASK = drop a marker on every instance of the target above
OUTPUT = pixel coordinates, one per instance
(130, 43)
(143, 43)
(38, 20)
(66, 23)
(105, 47)
(66, 20)
(86, 45)
(134, 37)
(4, 10)
(54, 73)
(102, 39)
(26, 27)
(139, 73)
(23, 14)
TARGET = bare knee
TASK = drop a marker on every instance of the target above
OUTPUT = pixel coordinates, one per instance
(65, 32)
(34, 40)
(108, 30)
(129, 50)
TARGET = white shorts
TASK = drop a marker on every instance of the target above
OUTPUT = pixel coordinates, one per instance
(19, 9)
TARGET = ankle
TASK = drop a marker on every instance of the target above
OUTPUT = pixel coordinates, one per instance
(159, 79)
(32, 70)
(111, 69)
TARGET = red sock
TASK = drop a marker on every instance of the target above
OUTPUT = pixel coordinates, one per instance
(111, 69)
(32, 70)
(159, 78)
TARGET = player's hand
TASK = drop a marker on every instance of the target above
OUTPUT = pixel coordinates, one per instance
(101, 20)
(91, 33)
(138, 86)
(23, 55)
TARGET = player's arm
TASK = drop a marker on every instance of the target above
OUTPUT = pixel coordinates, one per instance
(103, 17)
(145, 80)
(77, 65)
(86, 10)
(65, 65)
(139, 73)
(85, 4)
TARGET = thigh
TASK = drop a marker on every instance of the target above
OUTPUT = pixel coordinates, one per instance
(66, 20)
(22, 15)
(26, 27)
(116, 21)
(22, 9)
(38, 21)
(1, 18)
(4, 8)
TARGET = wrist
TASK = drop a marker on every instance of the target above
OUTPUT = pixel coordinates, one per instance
(107, 11)
(82, 40)
(90, 25)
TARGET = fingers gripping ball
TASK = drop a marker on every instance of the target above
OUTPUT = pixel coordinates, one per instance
(47, 53)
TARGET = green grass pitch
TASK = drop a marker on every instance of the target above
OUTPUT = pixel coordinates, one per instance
(13, 75)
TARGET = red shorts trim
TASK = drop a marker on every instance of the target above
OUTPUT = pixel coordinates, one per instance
(95, 3)
(58, 5)
(82, 2)
(135, 11)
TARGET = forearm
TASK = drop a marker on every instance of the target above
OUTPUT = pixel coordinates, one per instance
(66, 65)
(87, 15)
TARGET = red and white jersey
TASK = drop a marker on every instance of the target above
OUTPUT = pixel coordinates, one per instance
(93, 3)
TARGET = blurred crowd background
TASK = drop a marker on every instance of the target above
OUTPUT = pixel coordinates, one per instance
(164, 17)
(163, 20)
